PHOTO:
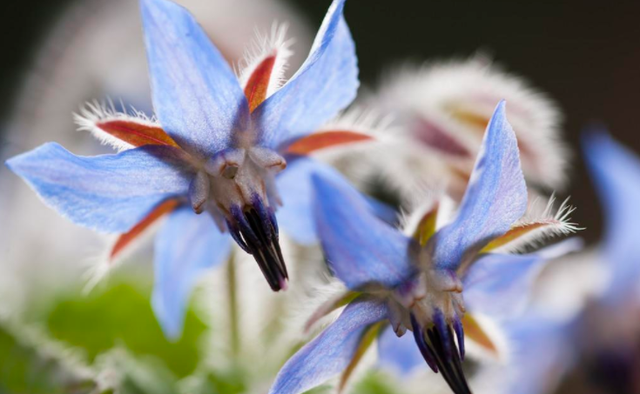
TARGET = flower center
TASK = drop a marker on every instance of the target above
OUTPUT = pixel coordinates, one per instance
(432, 305)
(437, 344)
(237, 187)
(255, 229)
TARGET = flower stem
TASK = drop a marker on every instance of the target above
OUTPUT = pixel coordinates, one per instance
(232, 292)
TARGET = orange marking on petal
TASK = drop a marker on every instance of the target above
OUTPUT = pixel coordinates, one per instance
(136, 134)
(474, 331)
(514, 233)
(126, 238)
(258, 82)
(427, 226)
(325, 139)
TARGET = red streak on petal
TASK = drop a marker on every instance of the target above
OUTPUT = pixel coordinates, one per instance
(126, 238)
(136, 134)
(258, 82)
(325, 139)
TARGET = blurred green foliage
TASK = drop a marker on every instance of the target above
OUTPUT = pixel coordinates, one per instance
(121, 315)
(224, 383)
(26, 369)
(375, 382)
(71, 343)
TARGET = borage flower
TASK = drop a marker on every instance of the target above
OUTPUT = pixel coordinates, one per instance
(441, 110)
(416, 283)
(220, 145)
(600, 343)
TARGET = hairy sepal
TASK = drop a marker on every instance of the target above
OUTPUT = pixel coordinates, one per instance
(121, 130)
(535, 227)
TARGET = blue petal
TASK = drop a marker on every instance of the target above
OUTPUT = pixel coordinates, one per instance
(541, 353)
(330, 352)
(296, 190)
(109, 193)
(359, 247)
(616, 172)
(326, 83)
(496, 196)
(383, 211)
(196, 96)
(401, 355)
(186, 246)
(499, 285)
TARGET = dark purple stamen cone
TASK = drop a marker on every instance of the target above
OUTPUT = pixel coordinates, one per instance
(256, 231)
(439, 350)
(422, 345)
(457, 327)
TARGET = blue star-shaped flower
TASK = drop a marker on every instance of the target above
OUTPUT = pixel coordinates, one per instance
(416, 283)
(228, 147)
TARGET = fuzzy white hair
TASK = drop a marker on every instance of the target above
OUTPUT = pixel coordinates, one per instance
(263, 46)
(95, 112)
(548, 225)
(440, 91)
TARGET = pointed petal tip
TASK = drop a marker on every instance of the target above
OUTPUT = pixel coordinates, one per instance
(107, 193)
(195, 94)
(171, 325)
(186, 246)
(16, 162)
(499, 117)
(11, 164)
(150, 5)
(593, 135)
(326, 83)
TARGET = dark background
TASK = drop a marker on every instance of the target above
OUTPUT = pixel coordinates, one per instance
(585, 54)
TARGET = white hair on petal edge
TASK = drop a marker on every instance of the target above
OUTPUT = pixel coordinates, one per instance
(441, 91)
(100, 266)
(263, 46)
(95, 112)
(551, 225)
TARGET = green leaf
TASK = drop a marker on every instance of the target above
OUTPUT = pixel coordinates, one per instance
(375, 382)
(228, 382)
(121, 316)
(25, 368)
